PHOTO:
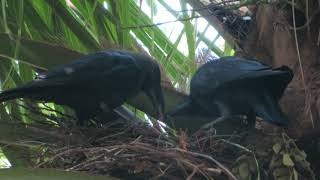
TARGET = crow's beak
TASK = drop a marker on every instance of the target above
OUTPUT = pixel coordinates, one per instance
(156, 96)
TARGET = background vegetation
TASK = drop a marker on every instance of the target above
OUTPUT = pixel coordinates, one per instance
(36, 35)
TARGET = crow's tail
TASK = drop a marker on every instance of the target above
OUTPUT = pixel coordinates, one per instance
(32, 90)
(12, 94)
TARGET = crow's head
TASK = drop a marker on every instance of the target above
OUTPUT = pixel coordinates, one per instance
(152, 83)
(150, 79)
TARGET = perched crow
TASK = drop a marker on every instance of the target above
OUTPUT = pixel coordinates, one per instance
(96, 82)
(234, 86)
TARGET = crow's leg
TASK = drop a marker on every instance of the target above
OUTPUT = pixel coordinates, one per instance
(81, 119)
(224, 111)
(251, 118)
(208, 129)
(84, 114)
(212, 123)
(225, 114)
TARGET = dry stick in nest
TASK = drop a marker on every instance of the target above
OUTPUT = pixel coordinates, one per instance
(150, 150)
(142, 146)
(68, 151)
(223, 168)
(163, 172)
(87, 163)
(165, 154)
(21, 143)
(114, 135)
(195, 169)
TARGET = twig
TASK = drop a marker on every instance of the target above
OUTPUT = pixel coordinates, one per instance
(113, 135)
(195, 169)
(307, 22)
(163, 172)
(192, 174)
(93, 163)
(223, 168)
(21, 144)
(248, 150)
(162, 23)
(25, 62)
(85, 162)
(79, 149)
(214, 170)
(306, 89)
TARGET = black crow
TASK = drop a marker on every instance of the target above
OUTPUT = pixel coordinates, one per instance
(234, 86)
(96, 82)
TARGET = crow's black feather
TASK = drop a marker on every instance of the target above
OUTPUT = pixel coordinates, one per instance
(235, 86)
(96, 82)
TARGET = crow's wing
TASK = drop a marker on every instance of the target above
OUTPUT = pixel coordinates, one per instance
(94, 73)
(218, 74)
(92, 69)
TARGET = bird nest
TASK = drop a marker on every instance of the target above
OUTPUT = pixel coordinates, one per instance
(137, 151)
